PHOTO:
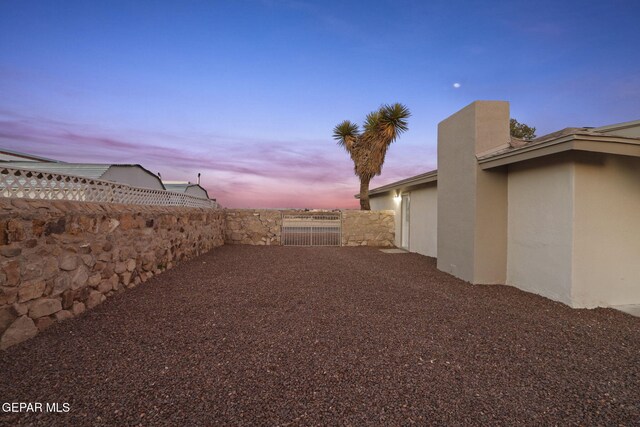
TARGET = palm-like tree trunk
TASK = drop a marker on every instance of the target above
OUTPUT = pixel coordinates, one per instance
(368, 149)
(364, 193)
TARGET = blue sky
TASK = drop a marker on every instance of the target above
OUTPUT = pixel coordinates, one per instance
(247, 92)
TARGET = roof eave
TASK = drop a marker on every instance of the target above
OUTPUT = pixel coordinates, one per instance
(618, 126)
(592, 143)
(405, 184)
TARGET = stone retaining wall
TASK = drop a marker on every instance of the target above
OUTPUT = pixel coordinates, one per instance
(58, 259)
(262, 227)
(253, 226)
(368, 228)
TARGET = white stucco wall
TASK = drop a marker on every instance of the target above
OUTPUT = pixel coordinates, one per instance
(606, 255)
(423, 233)
(423, 230)
(388, 202)
(573, 229)
(540, 238)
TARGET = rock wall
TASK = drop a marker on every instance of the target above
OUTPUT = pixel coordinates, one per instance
(262, 227)
(58, 259)
(253, 226)
(368, 228)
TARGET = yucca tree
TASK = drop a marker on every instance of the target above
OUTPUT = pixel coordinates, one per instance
(368, 147)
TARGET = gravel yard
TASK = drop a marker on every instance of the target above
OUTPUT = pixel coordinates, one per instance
(249, 335)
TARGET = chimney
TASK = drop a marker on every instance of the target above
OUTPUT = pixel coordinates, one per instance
(472, 203)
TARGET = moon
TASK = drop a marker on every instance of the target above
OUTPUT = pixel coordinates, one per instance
(456, 85)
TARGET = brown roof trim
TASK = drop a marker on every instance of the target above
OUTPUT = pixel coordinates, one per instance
(617, 126)
(579, 142)
(405, 184)
(578, 139)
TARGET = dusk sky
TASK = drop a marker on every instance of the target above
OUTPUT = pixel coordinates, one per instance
(248, 92)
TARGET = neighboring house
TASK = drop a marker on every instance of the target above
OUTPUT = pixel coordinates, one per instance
(187, 188)
(133, 175)
(558, 216)
(16, 156)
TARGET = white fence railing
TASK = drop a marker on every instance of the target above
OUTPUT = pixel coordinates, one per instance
(31, 184)
(311, 229)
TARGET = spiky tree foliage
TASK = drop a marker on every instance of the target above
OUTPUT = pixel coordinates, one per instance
(521, 130)
(368, 147)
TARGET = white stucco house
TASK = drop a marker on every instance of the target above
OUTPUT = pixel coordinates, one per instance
(558, 216)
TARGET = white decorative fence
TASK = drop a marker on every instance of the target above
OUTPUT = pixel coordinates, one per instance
(30, 184)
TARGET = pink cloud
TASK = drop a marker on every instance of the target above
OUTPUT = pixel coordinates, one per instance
(242, 173)
(239, 172)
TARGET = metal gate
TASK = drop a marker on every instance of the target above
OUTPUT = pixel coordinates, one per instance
(312, 229)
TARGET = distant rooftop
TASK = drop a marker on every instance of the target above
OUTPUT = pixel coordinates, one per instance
(87, 170)
(110, 172)
(186, 187)
(178, 187)
(7, 155)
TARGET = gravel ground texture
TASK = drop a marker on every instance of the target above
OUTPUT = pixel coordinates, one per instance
(248, 335)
